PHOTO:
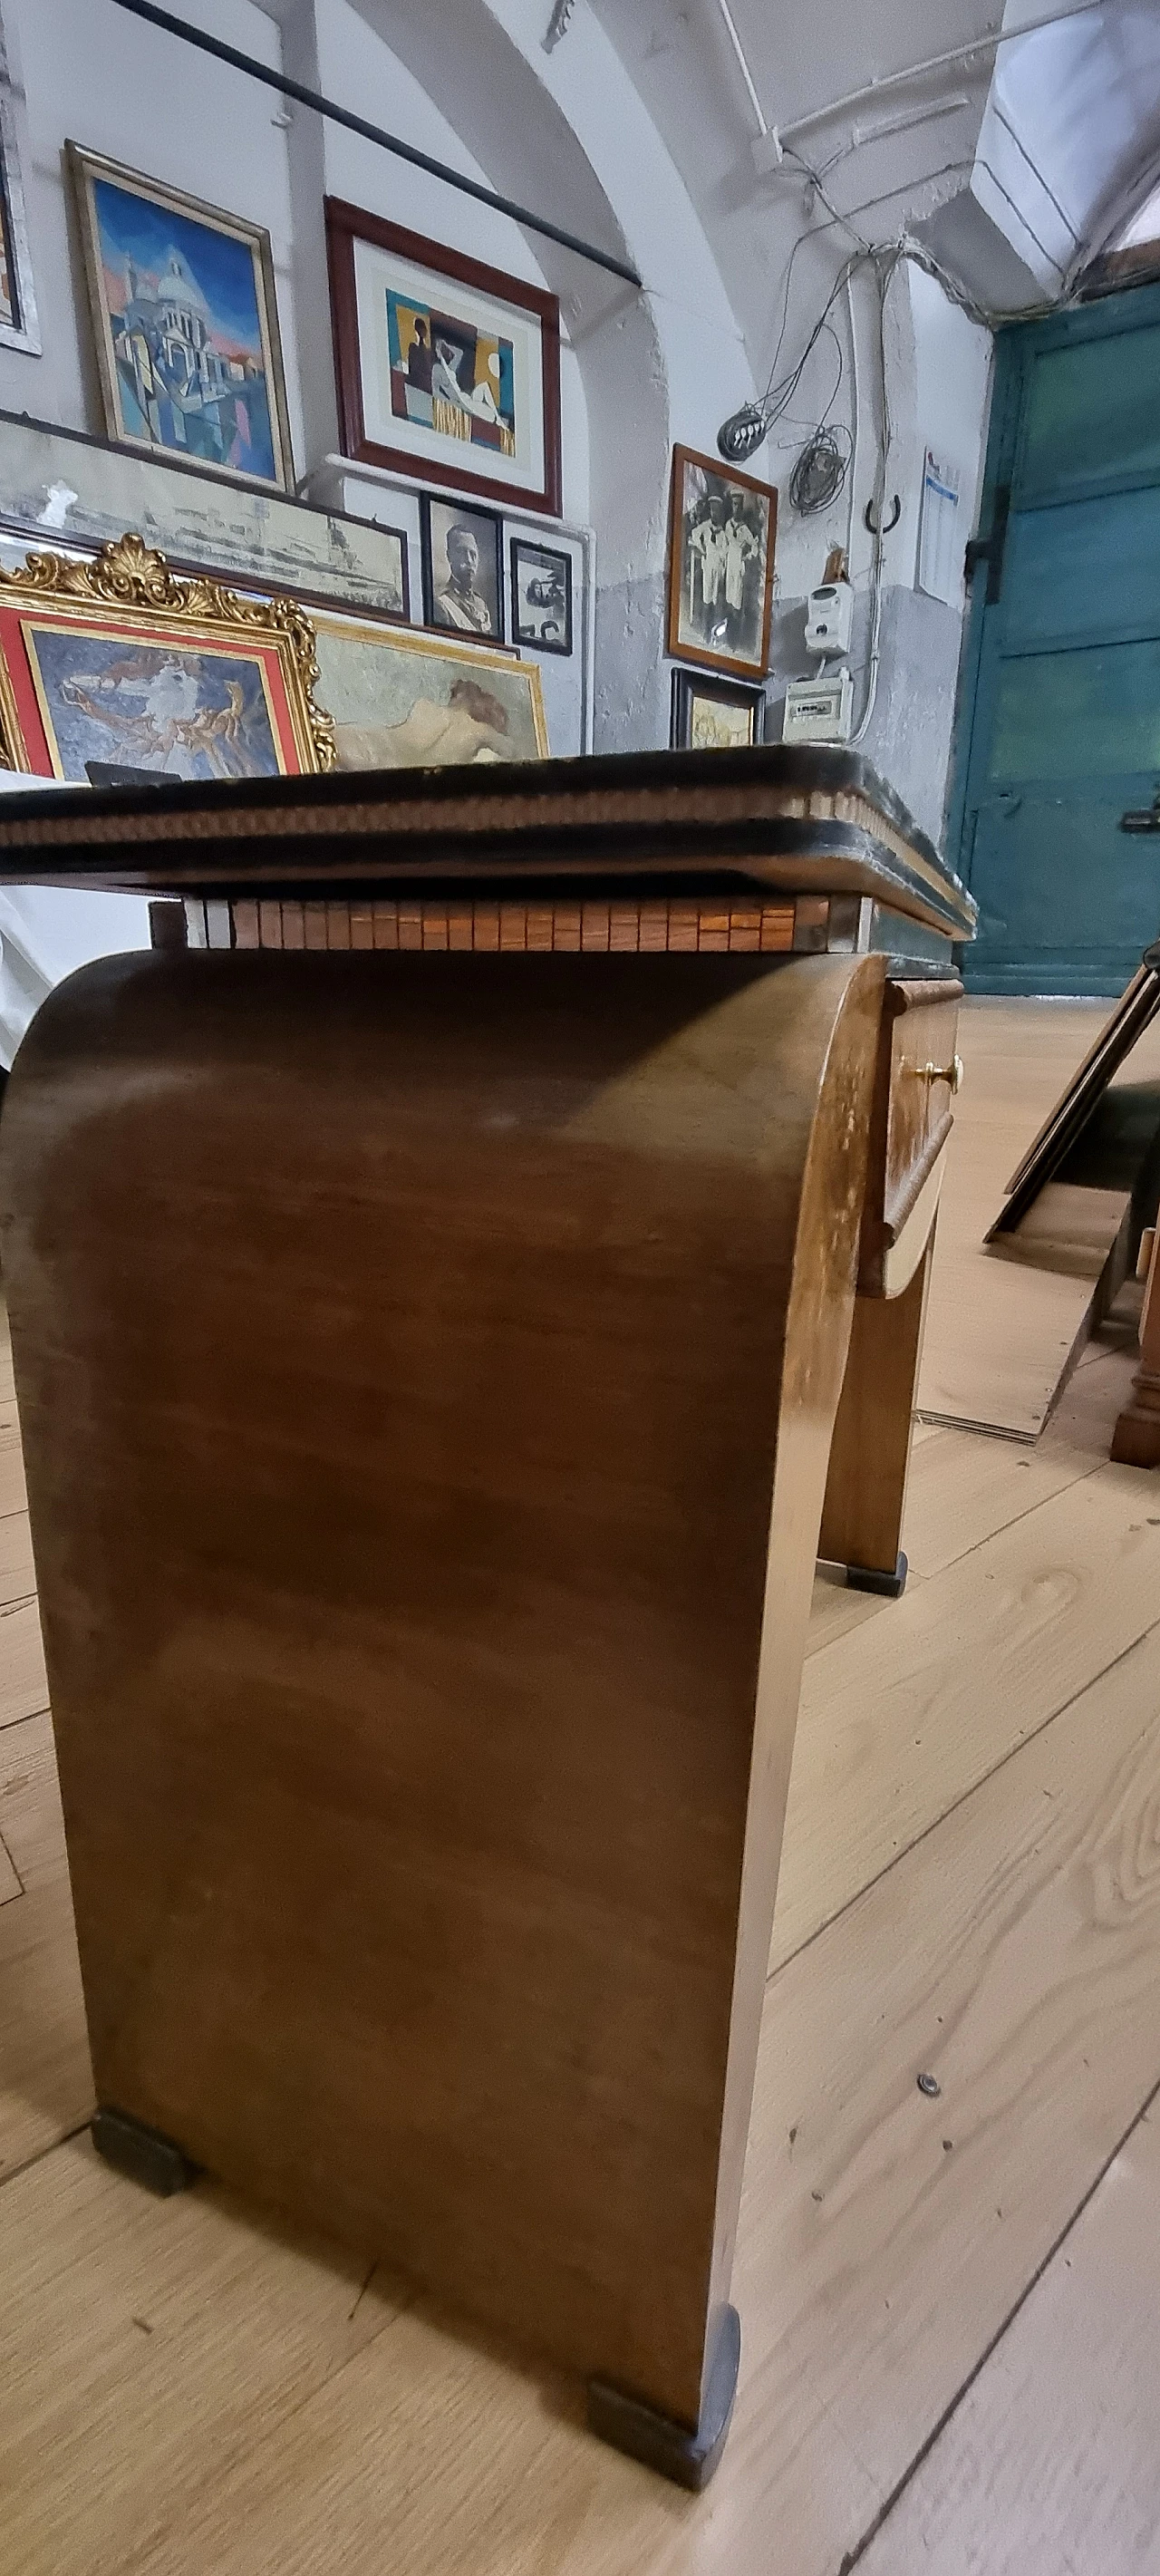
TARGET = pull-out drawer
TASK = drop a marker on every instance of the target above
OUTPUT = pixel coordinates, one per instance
(918, 1075)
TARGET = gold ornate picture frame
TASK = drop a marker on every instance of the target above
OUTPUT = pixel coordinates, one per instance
(117, 660)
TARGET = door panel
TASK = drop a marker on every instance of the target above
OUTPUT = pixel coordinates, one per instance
(1059, 884)
(1083, 425)
(1082, 568)
(1063, 729)
(1090, 712)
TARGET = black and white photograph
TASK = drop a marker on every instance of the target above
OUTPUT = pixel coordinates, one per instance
(720, 565)
(462, 568)
(541, 597)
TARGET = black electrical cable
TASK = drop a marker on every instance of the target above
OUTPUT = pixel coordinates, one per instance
(288, 88)
(820, 471)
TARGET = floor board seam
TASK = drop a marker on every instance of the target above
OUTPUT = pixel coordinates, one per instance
(1001, 1527)
(9, 2173)
(8, 1723)
(853, 2555)
(981, 1783)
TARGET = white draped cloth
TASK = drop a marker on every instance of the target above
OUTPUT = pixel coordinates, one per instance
(46, 932)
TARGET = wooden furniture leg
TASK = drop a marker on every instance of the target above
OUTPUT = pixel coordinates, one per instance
(870, 1458)
(427, 1368)
(1136, 1438)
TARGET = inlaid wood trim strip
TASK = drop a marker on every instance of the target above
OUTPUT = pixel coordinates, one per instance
(672, 925)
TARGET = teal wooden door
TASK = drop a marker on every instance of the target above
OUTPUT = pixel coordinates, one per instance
(1059, 731)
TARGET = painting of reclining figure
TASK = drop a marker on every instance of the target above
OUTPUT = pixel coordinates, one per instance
(410, 701)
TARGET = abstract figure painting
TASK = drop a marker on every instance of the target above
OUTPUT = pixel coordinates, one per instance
(186, 323)
(117, 661)
(450, 377)
(721, 542)
(446, 369)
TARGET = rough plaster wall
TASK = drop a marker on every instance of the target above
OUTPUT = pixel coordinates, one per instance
(567, 131)
(111, 83)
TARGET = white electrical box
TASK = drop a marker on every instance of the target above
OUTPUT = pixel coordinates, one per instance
(819, 710)
(829, 618)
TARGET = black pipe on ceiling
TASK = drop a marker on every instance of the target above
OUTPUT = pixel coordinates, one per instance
(297, 90)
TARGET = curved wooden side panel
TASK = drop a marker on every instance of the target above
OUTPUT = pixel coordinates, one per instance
(427, 1371)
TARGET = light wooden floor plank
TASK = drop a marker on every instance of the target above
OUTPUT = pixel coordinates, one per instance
(1051, 2465)
(17, 1577)
(146, 2346)
(13, 1497)
(905, 1714)
(45, 2077)
(999, 1335)
(23, 1680)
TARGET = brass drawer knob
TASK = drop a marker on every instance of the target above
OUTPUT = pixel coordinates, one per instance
(952, 1072)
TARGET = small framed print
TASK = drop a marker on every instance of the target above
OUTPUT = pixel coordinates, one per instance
(446, 369)
(541, 597)
(18, 324)
(709, 714)
(396, 587)
(462, 568)
(721, 539)
(185, 322)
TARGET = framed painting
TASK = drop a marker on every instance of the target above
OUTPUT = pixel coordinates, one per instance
(117, 662)
(422, 702)
(446, 369)
(722, 530)
(462, 568)
(185, 323)
(18, 324)
(711, 714)
(541, 597)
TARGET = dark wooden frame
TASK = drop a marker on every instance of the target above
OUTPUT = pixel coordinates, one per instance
(470, 510)
(346, 224)
(1078, 1103)
(697, 653)
(688, 685)
(536, 643)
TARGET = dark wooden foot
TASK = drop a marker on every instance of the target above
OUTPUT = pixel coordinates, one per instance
(873, 1578)
(688, 2458)
(142, 2153)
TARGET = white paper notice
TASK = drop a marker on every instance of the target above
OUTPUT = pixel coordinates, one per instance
(940, 546)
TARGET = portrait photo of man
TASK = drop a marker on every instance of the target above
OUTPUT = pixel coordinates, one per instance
(462, 569)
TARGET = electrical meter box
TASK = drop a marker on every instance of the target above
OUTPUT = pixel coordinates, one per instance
(819, 710)
(829, 617)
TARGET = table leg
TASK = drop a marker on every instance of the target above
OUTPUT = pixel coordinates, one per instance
(870, 1455)
(1136, 1439)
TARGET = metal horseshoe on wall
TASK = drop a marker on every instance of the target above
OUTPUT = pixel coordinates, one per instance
(891, 522)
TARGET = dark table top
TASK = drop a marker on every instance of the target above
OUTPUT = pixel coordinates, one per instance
(814, 820)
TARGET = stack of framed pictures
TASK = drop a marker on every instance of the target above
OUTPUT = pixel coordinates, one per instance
(446, 370)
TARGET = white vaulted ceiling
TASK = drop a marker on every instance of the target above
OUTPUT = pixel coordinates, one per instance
(1012, 162)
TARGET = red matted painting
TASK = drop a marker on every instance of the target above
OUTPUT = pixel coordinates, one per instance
(118, 661)
(446, 369)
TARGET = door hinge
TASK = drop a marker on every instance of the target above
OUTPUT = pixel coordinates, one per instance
(990, 549)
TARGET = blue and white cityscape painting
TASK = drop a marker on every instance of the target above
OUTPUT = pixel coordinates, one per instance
(183, 307)
(187, 713)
